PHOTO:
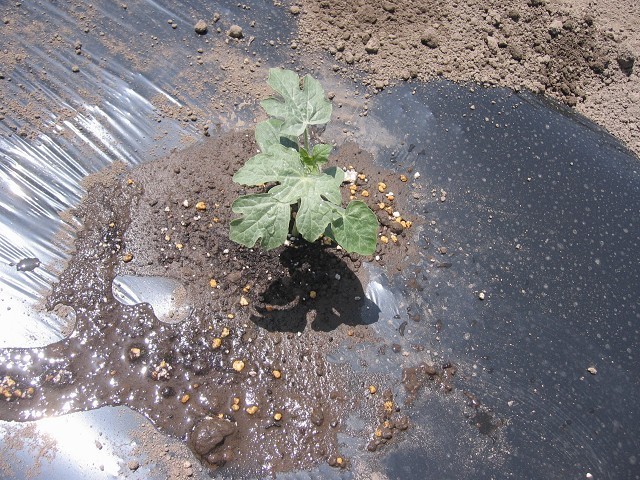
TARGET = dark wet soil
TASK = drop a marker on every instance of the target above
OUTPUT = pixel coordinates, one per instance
(245, 379)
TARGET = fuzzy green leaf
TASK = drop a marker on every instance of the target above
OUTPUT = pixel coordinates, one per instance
(319, 156)
(299, 107)
(356, 229)
(270, 133)
(306, 159)
(300, 185)
(320, 153)
(318, 196)
(269, 166)
(264, 219)
(313, 217)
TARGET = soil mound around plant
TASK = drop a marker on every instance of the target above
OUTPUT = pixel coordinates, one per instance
(245, 378)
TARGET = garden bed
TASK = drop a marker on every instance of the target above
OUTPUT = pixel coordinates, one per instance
(500, 313)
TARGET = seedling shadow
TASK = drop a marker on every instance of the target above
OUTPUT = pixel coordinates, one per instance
(316, 288)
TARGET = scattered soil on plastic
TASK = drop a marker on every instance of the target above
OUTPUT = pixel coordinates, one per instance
(582, 52)
(43, 447)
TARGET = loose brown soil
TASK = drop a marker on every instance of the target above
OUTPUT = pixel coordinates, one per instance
(581, 53)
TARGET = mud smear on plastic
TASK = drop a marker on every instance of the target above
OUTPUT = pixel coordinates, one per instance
(223, 346)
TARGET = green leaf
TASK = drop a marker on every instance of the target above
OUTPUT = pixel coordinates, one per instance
(320, 153)
(299, 107)
(300, 185)
(313, 217)
(269, 166)
(318, 196)
(264, 219)
(356, 229)
(338, 176)
(270, 133)
(306, 159)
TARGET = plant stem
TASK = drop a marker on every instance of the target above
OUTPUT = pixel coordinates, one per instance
(306, 141)
(294, 230)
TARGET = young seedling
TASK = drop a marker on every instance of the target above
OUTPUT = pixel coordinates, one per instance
(301, 194)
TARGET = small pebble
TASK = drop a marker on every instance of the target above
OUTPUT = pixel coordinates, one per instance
(235, 32)
(201, 27)
(238, 365)
(430, 39)
(626, 59)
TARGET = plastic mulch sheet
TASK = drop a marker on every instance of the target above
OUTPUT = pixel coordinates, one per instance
(525, 272)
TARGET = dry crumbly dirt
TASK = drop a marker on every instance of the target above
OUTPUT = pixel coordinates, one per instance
(581, 53)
